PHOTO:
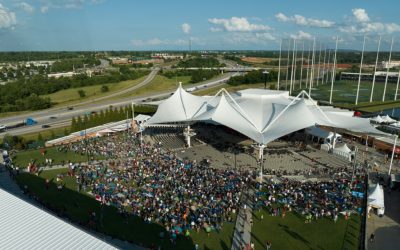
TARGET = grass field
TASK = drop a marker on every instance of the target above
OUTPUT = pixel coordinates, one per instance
(229, 88)
(346, 91)
(293, 233)
(159, 83)
(70, 96)
(24, 157)
(76, 206)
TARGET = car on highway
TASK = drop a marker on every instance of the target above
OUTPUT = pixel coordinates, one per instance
(3, 128)
(70, 108)
(45, 126)
(52, 117)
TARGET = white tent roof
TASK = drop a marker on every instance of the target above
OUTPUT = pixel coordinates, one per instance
(321, 133)
(377, 119)
(344, 148)
(376, 198)
(142, 118)
(262, 115)
(387, 119)
(24, 226)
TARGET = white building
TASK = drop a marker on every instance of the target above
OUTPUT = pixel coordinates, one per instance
(392, 64)
(65, 74)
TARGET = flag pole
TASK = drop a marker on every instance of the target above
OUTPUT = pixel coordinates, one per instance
(376, 66)
(359, 74)
(334, 69)
(302, 63)
(387, 70)
(279, 67)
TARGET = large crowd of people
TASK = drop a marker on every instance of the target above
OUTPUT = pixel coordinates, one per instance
(315, 199)
(154, 184)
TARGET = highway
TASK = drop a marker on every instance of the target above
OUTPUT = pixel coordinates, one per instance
(63, 116)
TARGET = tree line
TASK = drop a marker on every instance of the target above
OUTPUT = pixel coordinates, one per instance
(75, 63)
(199, 62)
(195, 75)
(25, 94)
(254, 76)
(111, 114)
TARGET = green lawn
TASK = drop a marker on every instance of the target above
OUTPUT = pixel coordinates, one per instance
(69, 96)
(23, 158)
(293, 233)
(77, 205)
(229, 88)
(345, 92)
(159, 83)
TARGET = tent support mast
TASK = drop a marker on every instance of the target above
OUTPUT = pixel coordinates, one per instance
(261, 159)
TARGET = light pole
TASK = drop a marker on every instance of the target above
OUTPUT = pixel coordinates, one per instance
(265, 73)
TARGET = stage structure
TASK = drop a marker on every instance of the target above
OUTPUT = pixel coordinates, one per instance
(262, 115)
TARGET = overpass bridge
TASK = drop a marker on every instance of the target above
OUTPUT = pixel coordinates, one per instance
(225, 69)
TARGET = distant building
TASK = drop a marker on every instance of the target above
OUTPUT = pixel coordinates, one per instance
(166, 56)
(392, 64)
(380, 76)
(38, 63)
(65, 74)
(119, 60)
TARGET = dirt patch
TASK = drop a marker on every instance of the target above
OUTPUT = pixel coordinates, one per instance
(257, 59)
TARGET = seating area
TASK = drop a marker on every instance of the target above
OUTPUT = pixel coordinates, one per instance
(169, 137)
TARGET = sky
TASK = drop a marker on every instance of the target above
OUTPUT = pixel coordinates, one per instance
(37, 25)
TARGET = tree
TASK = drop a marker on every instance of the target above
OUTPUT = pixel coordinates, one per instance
(52, 134)
(40, 137)
(74, 125)
(104, 88)
(81, 93)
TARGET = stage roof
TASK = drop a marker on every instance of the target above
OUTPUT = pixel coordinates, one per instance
(25, 226)
(262, 115)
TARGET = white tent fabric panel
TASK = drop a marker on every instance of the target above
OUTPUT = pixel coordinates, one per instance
(376, 198)
(259, 114)
(387, 119)
(181, 106)
(377, 119)
(24, 226)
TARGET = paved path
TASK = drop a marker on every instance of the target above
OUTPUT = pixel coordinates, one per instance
(242, 233)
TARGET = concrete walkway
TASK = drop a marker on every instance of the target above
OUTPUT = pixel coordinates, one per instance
(242, 233)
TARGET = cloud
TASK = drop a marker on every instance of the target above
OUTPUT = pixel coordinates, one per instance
(304, 21)
(361, 24)
(66, 4)
(44, 9)
(26, 7)
(7, 18)
(301, 35)
(237, 24)
(186, 28)
(360, 15)
(215, 29)
(157, 42)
